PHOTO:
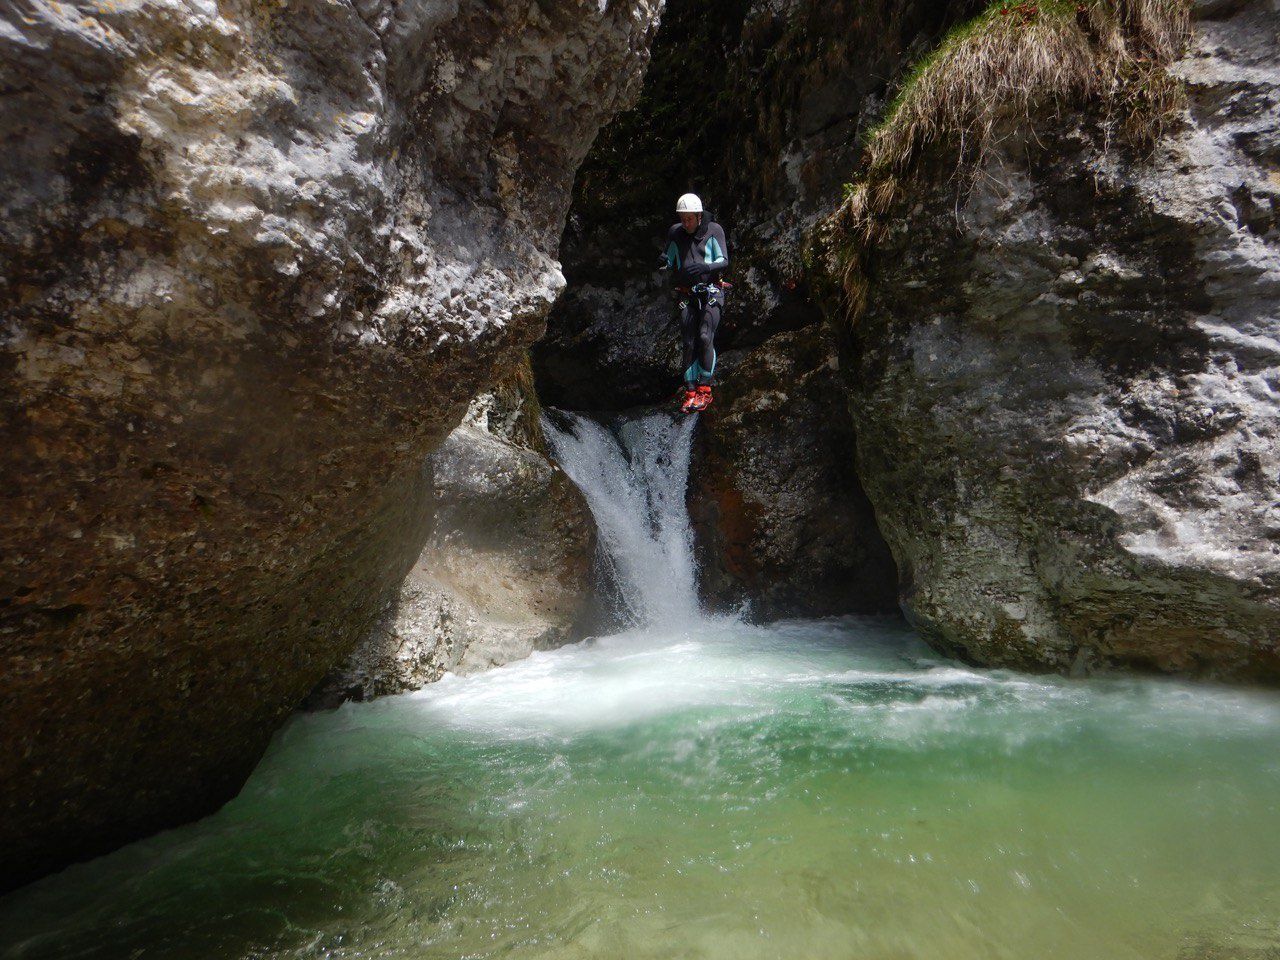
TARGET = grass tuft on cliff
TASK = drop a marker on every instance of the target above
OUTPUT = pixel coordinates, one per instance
(1015, 63)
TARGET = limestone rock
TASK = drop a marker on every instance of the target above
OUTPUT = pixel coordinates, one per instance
(1065, 388)
(257, 258)
(505, 571)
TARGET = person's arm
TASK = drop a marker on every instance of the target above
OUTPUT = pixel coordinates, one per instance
(716, 250)
(672, 256)
(669, 259)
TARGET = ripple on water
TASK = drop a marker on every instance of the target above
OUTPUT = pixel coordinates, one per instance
(809, 789)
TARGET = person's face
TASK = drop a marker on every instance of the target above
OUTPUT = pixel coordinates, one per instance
(690, 221)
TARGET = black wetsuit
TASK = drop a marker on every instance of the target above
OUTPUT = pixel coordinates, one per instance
(698, 260)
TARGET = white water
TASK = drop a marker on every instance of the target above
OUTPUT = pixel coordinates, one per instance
(694, 787)
(633, 474)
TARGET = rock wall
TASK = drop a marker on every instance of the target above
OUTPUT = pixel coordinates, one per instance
(506, 570)
(784, 527)
(785, 91)
(1065, 385)
(257, 258)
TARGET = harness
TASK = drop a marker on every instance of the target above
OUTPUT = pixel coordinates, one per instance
(705, 294)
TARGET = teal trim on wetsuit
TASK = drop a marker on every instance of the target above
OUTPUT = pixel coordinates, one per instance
(689, 255)
(695, 373)
(712, 253)
(673, 256)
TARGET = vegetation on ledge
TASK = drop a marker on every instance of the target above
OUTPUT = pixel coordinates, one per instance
(1007, 68)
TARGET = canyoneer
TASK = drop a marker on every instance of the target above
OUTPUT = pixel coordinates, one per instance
(698, 255)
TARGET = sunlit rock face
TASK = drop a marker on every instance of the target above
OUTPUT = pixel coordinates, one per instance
(1065, 388)
(257, 257)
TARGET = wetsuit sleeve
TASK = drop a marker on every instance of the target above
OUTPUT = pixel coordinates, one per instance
(716, 251)
(672, 252)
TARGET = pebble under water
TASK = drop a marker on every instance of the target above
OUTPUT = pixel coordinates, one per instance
(803, 790)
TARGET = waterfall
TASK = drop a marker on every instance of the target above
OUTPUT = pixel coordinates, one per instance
(633, 473)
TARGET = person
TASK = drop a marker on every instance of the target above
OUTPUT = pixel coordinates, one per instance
(698, 255)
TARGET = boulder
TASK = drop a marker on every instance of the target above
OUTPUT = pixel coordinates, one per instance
(506, 570)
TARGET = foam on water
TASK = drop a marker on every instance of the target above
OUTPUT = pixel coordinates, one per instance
(693, 787)
(641, 674)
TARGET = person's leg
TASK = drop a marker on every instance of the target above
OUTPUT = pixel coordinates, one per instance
(707, 340)
(689, 334)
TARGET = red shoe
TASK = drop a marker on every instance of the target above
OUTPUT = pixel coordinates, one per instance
(702, 398)
(689, 400)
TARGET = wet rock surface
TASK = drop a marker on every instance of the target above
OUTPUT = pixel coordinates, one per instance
(1065, 388)
(783, 526)
(257, 260)
(505, 571)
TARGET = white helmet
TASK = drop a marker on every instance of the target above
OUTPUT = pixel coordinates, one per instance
(689, 203)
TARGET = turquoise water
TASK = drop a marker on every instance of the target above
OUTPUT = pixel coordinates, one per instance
(805, 790)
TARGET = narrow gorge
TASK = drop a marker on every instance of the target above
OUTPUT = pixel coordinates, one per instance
(364, 594)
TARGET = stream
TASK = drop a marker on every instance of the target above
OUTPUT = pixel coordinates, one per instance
(696, 786)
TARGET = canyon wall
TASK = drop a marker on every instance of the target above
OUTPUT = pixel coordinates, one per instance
(760, 108)
(257, 259)
(1058, 366)
(1065, 381)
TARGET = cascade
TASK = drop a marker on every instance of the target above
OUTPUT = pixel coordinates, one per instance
(633, 473)
(700, 786)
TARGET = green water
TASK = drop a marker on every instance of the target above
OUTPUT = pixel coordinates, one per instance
(807, 790)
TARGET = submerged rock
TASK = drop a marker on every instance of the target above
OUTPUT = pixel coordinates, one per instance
(256, 261)
(1065, 387)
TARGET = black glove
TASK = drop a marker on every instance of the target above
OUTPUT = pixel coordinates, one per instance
(699, 271)
(663, 263)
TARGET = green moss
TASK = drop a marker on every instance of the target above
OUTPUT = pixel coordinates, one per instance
(998, 15)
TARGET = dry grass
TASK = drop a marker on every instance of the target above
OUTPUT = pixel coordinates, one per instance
(1009, 67)
(997, 67)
